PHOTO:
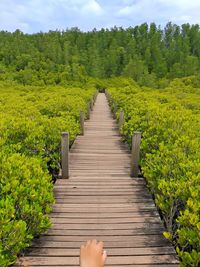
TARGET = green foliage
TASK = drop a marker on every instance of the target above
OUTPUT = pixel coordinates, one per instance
(32, 119)
(144, 52)
(26, 197)
(169, 120)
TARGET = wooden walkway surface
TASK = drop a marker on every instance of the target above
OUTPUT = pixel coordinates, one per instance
(101, 201)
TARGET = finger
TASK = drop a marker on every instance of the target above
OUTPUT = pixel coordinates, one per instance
(104, 256)
(94, 241)
(82, 247)
(100, 245)
(82, 251)
(88, 243)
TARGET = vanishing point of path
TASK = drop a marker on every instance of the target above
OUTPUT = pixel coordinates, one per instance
(101, 201)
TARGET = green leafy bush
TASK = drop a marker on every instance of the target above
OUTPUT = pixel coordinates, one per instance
(31, 122)
(33, 119)
(26, 198)
(169, 120)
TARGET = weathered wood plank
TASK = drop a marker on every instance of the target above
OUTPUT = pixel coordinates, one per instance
(102, 207)
(140, 242)
(80, 200)
(139, 259)
(110, 251)
(100, 190)
(89, 215)
(108, 226)
(105, 221)
(107, 232)
(131, 238)
(102, 210)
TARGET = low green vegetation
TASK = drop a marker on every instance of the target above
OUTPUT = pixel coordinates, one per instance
(32, 119)
(169, 120)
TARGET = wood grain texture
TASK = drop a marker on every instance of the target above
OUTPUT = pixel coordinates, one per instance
(100, 200)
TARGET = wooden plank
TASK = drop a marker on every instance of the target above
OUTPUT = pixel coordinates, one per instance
(86, 175)
(127, 232)
(80, 200)
(99, 187)
(100, 190)
(107, 206)
(139, 259)
(110, 251)
(100, 180)
(133, 198)
(138, 243)
(89, 215)
(97, 221)
(102, 210)
(108, 226)
(119, 238)
(76, 188)
(115, 179)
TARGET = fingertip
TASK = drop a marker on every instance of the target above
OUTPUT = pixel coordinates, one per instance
(82, 247)
(88, 242)
(104, 255)
(100, 244)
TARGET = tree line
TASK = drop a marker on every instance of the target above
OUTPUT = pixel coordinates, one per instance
(145, 53)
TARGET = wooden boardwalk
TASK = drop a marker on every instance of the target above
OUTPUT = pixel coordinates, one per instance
(101, 201)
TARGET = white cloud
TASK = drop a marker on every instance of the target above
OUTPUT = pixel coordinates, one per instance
(92, 6)
(11, 23)
(161, 11)
(12, 19)
(36, 15)
(181, 4)
(82, 6)
(127, 10)
(141, 8)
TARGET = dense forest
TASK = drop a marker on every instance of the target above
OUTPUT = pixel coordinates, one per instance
(145, 53)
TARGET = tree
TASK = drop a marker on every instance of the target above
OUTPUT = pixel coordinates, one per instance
(135, 69)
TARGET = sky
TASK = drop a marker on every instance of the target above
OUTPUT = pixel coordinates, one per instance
(31, 16)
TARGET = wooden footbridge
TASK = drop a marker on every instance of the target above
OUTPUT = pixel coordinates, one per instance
(101, 201)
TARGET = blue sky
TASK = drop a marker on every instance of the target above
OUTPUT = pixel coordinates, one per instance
(43, 15)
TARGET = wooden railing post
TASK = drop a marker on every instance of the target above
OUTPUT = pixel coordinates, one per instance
(121, 119)
(88, 110)
(65, 155)
(135, 154)
(82, 117)
(114, 110)
(91, 104)
(95, 96)
(106, 93)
